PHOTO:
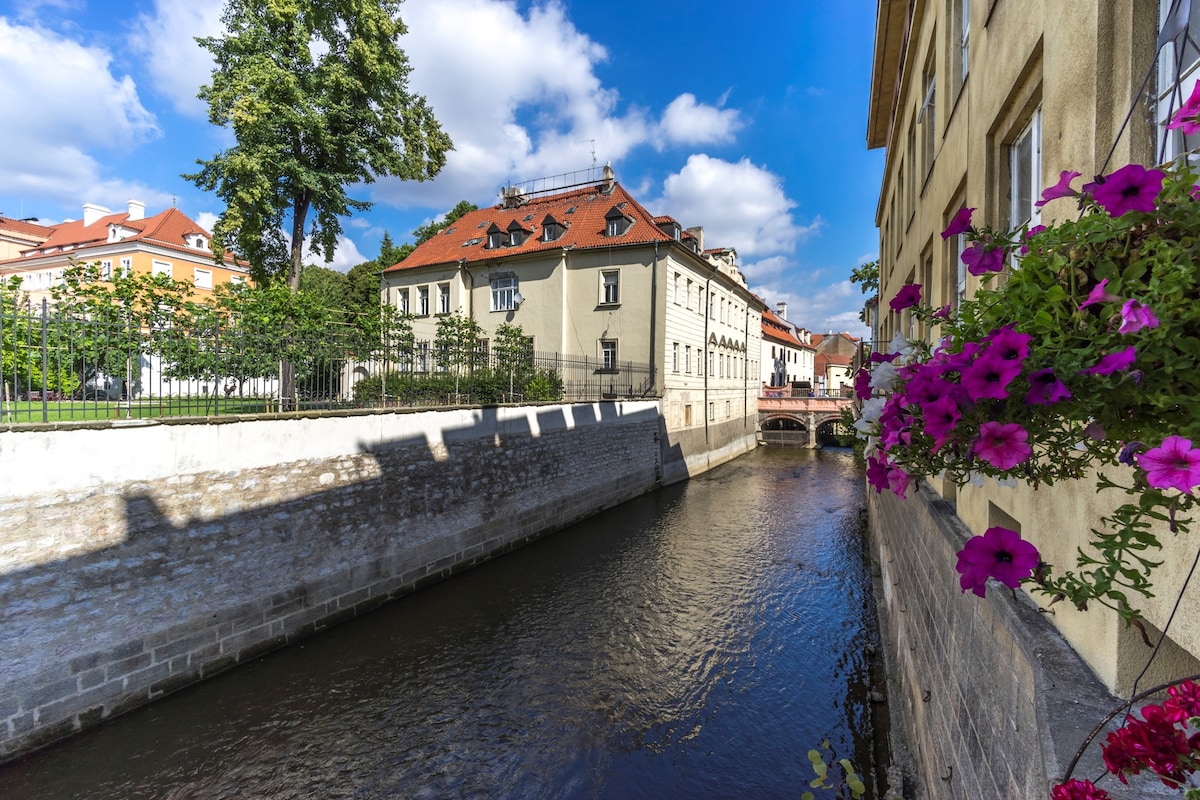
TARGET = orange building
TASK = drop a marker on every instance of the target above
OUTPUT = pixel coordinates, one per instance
(168, 243)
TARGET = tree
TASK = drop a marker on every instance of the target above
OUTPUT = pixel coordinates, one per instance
(426, 232)
(867, 276)
(316, 92)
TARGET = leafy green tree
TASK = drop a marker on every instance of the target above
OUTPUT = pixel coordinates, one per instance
(456, 344)
(867, 277)
(426, 232)
(328, 286)
(389, 253)
(316, 93)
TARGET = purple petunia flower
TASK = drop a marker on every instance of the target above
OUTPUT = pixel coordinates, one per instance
(1174, 464)
(883, 358)
(1076, 789)
(897, 480)
(940, 418)
(1029, 234)
(1113, 362)
(988, 377)
(1188, 115)
(960, 224)
(1000, 553)
(1099, 294)
(862, 384)
(1008, 344)
(1135, 316)
(1131, 188)
(877, 470)
(1045, 388)
(1003, 445)
(980, 259)
(1060, 189)
(908, 296)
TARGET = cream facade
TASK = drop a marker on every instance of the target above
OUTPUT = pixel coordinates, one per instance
(587, 271)
(981, 104)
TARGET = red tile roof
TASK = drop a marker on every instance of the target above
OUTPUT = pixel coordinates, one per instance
(25, 228)
(581, 210)
(773, 328)
(165, 229)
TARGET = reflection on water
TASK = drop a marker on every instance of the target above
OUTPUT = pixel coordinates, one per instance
(693, 643)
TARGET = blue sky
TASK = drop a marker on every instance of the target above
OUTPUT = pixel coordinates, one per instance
(748, 119)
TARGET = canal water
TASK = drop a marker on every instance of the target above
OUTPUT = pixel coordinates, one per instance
(693, 643)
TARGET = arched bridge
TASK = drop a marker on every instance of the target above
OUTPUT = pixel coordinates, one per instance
(797, 421)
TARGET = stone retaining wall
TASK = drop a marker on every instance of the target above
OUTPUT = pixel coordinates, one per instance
(138, 558)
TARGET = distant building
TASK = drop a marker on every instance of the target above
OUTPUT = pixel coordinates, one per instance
(788, 356)
(587, 271)
(836, 360)
(168, 243)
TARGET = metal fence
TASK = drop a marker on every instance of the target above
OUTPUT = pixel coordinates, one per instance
(55, 368)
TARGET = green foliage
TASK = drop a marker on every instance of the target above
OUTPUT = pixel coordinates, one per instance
(849, 787)
(456, 344)
(485, 387)
(867, 277)
(316, 94)
(426, 232)
(1147, 257)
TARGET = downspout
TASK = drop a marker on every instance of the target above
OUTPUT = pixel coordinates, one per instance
(708, 364)
(746, 370)
(462, 265)
(653, 317)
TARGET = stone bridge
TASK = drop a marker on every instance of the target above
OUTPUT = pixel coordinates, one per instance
(797, 421)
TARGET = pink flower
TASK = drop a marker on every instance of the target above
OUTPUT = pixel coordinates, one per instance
(897, 480)
(1174, 464)
(940, 418)
(1008, 344)
(908, 296)
(1045, 388)
(1098, 294)
(862, 384)
(1113, 362)
(1000, 553)
(1003, 445)
(1131, 188)
(980, 259)
(1060, 189)
(1029, 234)
(988, 377)
(1076, 789)
(1135, 316)
(1188, 115)
(943, 312)
(877, 473)
(960, 224)
(1183, 701)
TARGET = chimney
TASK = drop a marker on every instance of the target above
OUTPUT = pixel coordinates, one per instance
(609, 177)
(137, 209)
(698, 232)
(93, 213)
(781, 310)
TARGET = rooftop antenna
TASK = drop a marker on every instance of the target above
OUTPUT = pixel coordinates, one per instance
(593, 141)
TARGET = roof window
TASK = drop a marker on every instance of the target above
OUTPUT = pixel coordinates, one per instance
(616, 223)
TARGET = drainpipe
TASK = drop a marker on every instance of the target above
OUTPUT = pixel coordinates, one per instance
(708, 364)
(653, 317)
(462, 266)
(746, 370)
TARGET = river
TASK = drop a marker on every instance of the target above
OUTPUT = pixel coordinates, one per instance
(693, 643)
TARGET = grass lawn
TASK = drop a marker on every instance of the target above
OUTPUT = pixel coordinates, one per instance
(78, 410)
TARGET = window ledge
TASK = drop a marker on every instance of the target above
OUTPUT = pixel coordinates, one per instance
(608, 305)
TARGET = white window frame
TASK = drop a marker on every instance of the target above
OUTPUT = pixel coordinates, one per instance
(202, 278)
(443, 298)
(162, 268)
(1016, 214)
(237, 280)
(678, 282)
(402, 300)
(675, 357)
(504, 291)
(610, 287)
(608, 355)
(126, 267)
(687, 359)
(1170, 144)
(106, 269)
(422, 301)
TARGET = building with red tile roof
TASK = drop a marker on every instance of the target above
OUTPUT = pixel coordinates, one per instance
(20, 234)
(787, 351)
(586, 271)
(168, 243)
(837, 353)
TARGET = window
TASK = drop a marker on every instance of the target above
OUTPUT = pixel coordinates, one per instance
(161, 268)
(962, 49)
(616, 223)
(699, 361)
(608, 355)
(551, 229)
(402, 301)
(126, 267)
(237, 280)
(711, 356)
(516, 236)
(674, 356)
(202, 278)
(712, 410)
(687, 414)
(1177, 74)
(689, 293)
(678, 282)
(106, 270)
(609, 287)
(422, 357)
(687, 358)
(927, 119)
(504, 291)
(1025, 173)
(443, 290)
(496, 237)
(422, 301)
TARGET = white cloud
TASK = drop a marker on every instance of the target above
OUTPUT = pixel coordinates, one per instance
(47, 152)
(687, 122)
(165, 40)
(766, 267)
(820, 309)
(740, 205)
(206, 220)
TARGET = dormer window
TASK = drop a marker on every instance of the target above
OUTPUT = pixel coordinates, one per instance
(516, 234)
(496, 237)
(616, 223)
(552, 229)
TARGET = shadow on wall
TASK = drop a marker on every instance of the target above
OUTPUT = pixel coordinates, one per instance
(240, 572)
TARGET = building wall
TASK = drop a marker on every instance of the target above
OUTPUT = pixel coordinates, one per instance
(205, 544)
(1079, 66)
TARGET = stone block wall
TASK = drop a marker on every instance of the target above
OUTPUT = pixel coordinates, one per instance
(136, 559)
(991, 701)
